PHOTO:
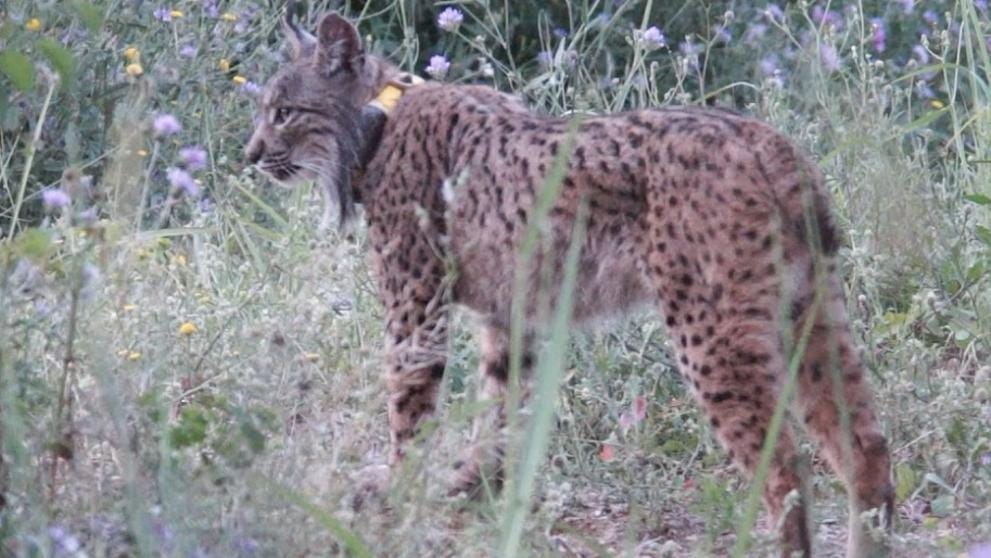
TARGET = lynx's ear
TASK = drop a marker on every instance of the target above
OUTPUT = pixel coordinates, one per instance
(338, 44)
(300, 42)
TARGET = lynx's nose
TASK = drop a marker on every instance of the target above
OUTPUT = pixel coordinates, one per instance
(255, 149)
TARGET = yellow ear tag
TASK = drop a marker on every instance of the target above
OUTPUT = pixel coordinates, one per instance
(388, 98)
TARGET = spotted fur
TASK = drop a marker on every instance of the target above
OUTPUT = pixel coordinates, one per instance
(714, 219)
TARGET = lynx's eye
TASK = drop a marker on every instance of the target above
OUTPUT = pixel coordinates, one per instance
(281, 115)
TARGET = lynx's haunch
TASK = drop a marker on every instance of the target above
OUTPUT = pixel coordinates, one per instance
(715, 219)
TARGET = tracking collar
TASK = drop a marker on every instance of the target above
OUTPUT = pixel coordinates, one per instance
(389, 96)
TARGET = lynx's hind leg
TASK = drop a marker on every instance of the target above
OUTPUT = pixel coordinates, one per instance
(727, 342)
(835, 405)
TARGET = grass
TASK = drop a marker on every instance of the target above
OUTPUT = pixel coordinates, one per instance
(249, 434)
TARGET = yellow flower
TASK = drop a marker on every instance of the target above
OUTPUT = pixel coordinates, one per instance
(312, 357)
(130, 307)
(188, 328)
(224, 65)
(176, 14)
(133, 355)
(179, 260)
(132, 54)
(33, 24)
(239, 80)
(134, 69)
(936, 104)
(142, 153)
(229, 16)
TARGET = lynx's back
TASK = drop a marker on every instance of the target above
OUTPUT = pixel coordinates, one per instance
(700, 178)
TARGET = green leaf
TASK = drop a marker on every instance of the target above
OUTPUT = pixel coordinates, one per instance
(191, 428)
(975, 272)
(34, 244)
(906, 479)
(90, 15)
(979, 199)
(61, 59)
(943, 506)
(253, 436)
(18, 68)
(984, 234)
(956, 434)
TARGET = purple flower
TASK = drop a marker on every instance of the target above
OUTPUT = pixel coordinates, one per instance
(163, 14)
(188, 51)
(182, 182)
(986, 459)
(755, 32)
(652, 38)
(908, 6)
(981, 5)
(193, 157)
(166, 125)
(924, 90)
(210, 6)
(930, 17)
(545, 59)
(825, 17)
(438, 66)
(769, 64)
(879, 34)
(721, 34)
(980, 550)
(206, 205)
(54, 198)
(774, 12)
(689, 48)
(921, 54)
(829, 57)
(450, 19)
(63, 540)
(251, 88)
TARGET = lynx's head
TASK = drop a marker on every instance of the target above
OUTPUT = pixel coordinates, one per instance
(309, 122)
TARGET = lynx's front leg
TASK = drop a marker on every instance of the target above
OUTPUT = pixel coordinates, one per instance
(481, 466)
(411, 279)
(415, 360)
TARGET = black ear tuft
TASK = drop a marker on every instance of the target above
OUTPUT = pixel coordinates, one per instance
(338, 43)
(301, 42)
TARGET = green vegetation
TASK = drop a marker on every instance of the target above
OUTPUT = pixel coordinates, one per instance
(188, 367)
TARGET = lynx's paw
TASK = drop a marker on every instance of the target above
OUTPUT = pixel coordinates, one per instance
(479, 472)
(371, 483)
